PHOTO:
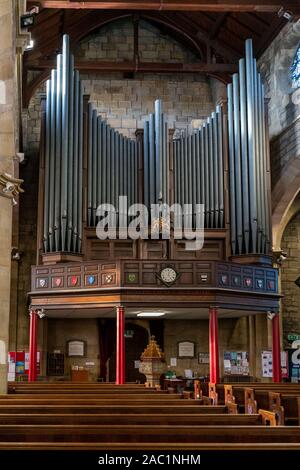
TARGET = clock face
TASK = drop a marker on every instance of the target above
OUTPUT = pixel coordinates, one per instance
(168, 275)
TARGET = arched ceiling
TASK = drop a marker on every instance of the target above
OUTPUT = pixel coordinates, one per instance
(216, 38)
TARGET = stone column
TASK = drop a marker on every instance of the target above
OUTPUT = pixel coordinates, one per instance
(9, 186)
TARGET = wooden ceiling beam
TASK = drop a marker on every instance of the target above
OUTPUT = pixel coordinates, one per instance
(175, 5)
(217, 26)
(202, 35)
(249, 21)
(133, 66)
(268, 36)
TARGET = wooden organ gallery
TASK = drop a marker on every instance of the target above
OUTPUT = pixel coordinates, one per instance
(223, 167)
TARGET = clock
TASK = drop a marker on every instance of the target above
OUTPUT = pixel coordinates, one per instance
(168, 275)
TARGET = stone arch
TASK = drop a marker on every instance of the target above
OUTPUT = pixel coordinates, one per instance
(283, 196)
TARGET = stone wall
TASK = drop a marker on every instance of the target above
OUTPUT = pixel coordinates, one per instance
(274, 64)
(187, 99)
(289, 273)
(284, 149)
(62, 330)
(115, 41)
(284, 100)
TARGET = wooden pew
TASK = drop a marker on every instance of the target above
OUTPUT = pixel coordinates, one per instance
(149, 434)
(85, 389)
(149, 446)
(189, 408)
(92, 396)
(285, 405)
(131, 419)
(237, 390)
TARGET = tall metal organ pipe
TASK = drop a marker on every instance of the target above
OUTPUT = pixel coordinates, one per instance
(156, 158)
(249, 208)
(63, 157)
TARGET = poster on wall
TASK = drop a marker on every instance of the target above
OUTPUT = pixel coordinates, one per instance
(294, 361)
(236, 363)
(267, 364)
(11, 376)
(203, 358)
(18, 364)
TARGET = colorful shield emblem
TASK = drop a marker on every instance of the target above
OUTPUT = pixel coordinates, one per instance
(224, 279)
(91, 280)
(74, 280)
(236, 280)
(57, 281)
(108, 278)
(271, 285)
(42, 282)
(259, 283)
(131, 277)
(248, 282)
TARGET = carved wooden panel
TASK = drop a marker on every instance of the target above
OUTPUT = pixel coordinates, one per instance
(212, 250)
(154, 249)
(110, 249)
(145, 273)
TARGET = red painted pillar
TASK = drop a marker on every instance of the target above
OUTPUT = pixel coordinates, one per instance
(214, 372)
(32, 374)
(276, 348)
(120, 352)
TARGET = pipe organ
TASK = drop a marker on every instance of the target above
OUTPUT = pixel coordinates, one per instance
(248, 153)
(226, 156)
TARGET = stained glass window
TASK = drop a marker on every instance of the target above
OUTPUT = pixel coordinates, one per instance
(295, 70)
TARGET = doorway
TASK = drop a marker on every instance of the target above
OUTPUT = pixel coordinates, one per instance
(135, 344)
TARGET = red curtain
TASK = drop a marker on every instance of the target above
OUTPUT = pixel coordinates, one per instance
(107, 343)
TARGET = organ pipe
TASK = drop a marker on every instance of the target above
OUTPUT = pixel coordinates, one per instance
(51, 168)
(156, 158)
(244, 154)
(63, 157)
(74, 181)
(249, 208)
(237, 163)
(47, 165)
